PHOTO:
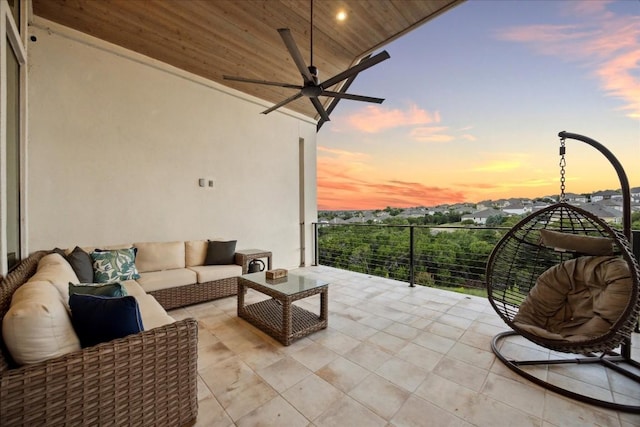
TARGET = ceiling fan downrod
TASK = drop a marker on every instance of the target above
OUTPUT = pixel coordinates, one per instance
(312, 69)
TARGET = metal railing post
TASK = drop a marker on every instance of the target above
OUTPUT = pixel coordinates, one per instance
(316, 245)
(411, 254)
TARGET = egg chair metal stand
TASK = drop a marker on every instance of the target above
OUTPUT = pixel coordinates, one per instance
(519, 259)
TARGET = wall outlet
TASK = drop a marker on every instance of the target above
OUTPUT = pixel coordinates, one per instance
(201, 182)
(211, 183)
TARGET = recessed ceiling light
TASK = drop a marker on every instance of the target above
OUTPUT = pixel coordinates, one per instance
(341, 16)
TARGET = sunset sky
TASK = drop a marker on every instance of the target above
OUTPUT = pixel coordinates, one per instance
(475, 99)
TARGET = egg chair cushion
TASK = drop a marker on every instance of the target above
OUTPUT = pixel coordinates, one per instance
(576, 300)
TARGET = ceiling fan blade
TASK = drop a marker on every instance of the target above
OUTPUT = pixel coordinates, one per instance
(287, 38)
(367, 63)
(280, 104)
(261, 82)
(352, 97)
(320, 109)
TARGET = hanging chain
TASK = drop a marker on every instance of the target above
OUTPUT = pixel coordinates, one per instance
(563, 164)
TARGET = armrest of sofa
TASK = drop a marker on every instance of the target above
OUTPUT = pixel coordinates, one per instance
(144, 379)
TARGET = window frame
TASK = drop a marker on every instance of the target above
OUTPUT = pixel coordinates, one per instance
(10, 38)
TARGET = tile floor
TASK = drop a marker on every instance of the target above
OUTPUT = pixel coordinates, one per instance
(391, 356)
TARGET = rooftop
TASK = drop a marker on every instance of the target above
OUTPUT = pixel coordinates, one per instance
(391, 356)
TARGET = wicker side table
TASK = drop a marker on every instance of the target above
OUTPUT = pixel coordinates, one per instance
(244, 256)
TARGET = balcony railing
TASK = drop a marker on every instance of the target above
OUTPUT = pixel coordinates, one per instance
(437, 256)
(441, 256)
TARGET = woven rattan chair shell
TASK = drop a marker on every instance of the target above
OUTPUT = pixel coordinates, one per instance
(519, 258)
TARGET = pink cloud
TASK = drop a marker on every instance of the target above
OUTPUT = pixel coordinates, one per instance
(607, 43)
(374, 118)
(597, 8)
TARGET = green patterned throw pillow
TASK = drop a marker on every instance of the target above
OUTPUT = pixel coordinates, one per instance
(100, 289)
(110, 266)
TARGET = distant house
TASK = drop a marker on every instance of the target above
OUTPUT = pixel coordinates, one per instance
(435, 210)
(480, 217)
(575, 198)
(414, 212)
(539, 205)
(611, 204)
(635, 194)
(516, 209)
(605, 195)
(461, 208)
(609, 215)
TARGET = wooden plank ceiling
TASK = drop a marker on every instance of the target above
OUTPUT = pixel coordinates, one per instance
(212, 38)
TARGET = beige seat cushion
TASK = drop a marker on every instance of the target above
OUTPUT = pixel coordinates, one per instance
(577, 299)
(157, 280)
(209, 273)
(37, 326)
(133, 288)
(151, 312)
(158, 256)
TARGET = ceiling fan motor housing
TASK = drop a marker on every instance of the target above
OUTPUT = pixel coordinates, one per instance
(311, 90)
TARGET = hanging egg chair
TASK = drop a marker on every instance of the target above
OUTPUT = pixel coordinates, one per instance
(567, 281)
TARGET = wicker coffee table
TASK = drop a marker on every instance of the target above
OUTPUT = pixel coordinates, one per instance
(277, 316)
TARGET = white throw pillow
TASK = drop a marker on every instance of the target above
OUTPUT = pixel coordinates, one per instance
(37, 326)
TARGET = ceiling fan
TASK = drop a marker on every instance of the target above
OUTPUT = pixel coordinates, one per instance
(311, 86)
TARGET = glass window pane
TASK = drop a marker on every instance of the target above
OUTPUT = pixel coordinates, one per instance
(13, 158)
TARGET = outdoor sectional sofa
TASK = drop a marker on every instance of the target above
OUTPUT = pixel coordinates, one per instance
(174, 272)
(143, 379)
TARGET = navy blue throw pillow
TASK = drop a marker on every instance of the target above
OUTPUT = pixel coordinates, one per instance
(99, 319)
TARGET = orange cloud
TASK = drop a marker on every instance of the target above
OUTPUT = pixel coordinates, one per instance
(343, 184)
(374, 118)
(606, 42)
(373, 195)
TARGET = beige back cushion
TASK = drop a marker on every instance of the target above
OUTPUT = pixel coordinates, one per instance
(53, 268)
(157, 256)
(89, 249)
(37, 326)
(196, 252)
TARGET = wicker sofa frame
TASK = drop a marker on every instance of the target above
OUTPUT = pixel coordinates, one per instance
(146, 379)
(181, 296)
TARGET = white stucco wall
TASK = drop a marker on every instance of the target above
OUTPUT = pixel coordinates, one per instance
(117, 143)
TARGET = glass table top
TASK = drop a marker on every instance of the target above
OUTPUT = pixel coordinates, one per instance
(289, 285)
